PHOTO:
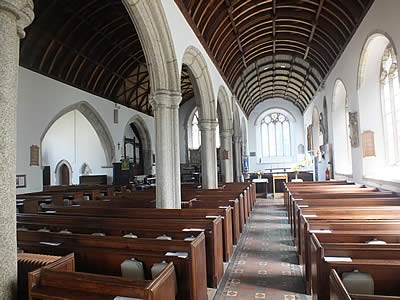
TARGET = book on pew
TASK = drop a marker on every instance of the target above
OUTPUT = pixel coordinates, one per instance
(177, 254)
(320, 231)
(337, 259)
(193, 229)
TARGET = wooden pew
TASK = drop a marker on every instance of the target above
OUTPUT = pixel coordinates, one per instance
(328, 202)
(157, 213)
(358, 217)
(212, 203)
(312, 184)
(356, 213)
(351, 233)
(359, 212)
(338, 291)
(213, 195)
(381, 261)
(176, 228)
(104, 255)
(335, 194)
(57, 281)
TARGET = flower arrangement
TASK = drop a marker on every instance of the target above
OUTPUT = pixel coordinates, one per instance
(259, 174)
(296, 168)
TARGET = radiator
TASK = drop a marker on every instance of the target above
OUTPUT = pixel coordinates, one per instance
(28, 262)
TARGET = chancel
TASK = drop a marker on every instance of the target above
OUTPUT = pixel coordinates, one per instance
(246, 149)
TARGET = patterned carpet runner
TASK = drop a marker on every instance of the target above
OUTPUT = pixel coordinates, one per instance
(264, 264)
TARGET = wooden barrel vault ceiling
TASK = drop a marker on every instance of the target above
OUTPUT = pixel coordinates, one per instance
(264, 49)
(269, 49)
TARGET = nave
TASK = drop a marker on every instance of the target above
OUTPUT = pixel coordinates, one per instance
(265, 263)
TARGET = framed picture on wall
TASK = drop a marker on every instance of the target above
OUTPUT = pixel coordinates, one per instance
(21, 181)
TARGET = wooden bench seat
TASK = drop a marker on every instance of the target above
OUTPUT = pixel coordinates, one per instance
(337, 290)
(326, 202)
(104, 255)
(158, 213)
(382, 261)
(214, 195)
(349, 233)
(53, 282)
(177, 228)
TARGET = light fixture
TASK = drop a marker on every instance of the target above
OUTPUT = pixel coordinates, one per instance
(116, 114)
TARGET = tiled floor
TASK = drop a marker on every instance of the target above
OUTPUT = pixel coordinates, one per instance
(264, 264)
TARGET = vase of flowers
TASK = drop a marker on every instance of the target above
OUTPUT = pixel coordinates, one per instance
(259, 174)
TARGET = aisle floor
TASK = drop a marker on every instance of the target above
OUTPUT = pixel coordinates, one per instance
(264, 264)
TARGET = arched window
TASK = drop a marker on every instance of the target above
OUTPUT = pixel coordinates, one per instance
(390, 93)
(340, 117)
(195, 132)
(275, 135)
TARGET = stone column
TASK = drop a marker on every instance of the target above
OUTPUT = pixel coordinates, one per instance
(166, 104)
(208, 154)
(226, 155)
(15, 15)
(238, 158)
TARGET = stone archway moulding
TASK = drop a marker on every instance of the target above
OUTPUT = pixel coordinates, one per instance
(197, 65)
(156, 39)
(57, 170)
(226, 116)
(146, 141)
(96, 121)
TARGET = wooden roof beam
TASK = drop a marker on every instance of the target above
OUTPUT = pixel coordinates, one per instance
(259, 80)
(314, 27)
(235, 31)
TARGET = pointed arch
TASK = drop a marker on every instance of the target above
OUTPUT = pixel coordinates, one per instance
(60, 167)
(145, 137)
(94, 118)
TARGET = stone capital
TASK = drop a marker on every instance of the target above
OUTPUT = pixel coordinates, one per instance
(165, 98)
(237, 139)
(208, 125)
(22, 11)
(226, 133)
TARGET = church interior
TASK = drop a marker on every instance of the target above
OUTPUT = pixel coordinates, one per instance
(198, 149)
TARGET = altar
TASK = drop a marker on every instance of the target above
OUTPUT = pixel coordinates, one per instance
(261, 187)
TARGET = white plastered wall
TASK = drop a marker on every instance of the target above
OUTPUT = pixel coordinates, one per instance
(39, 100)
(382, 17)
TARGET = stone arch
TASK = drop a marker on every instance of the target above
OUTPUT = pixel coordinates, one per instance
(315, 130)
(96, 121)
(145, 136)
(226, 132)
(374, 44)
(237, 138)
(154, 34)
(226, 118)
(58, 170)
(201, 81)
